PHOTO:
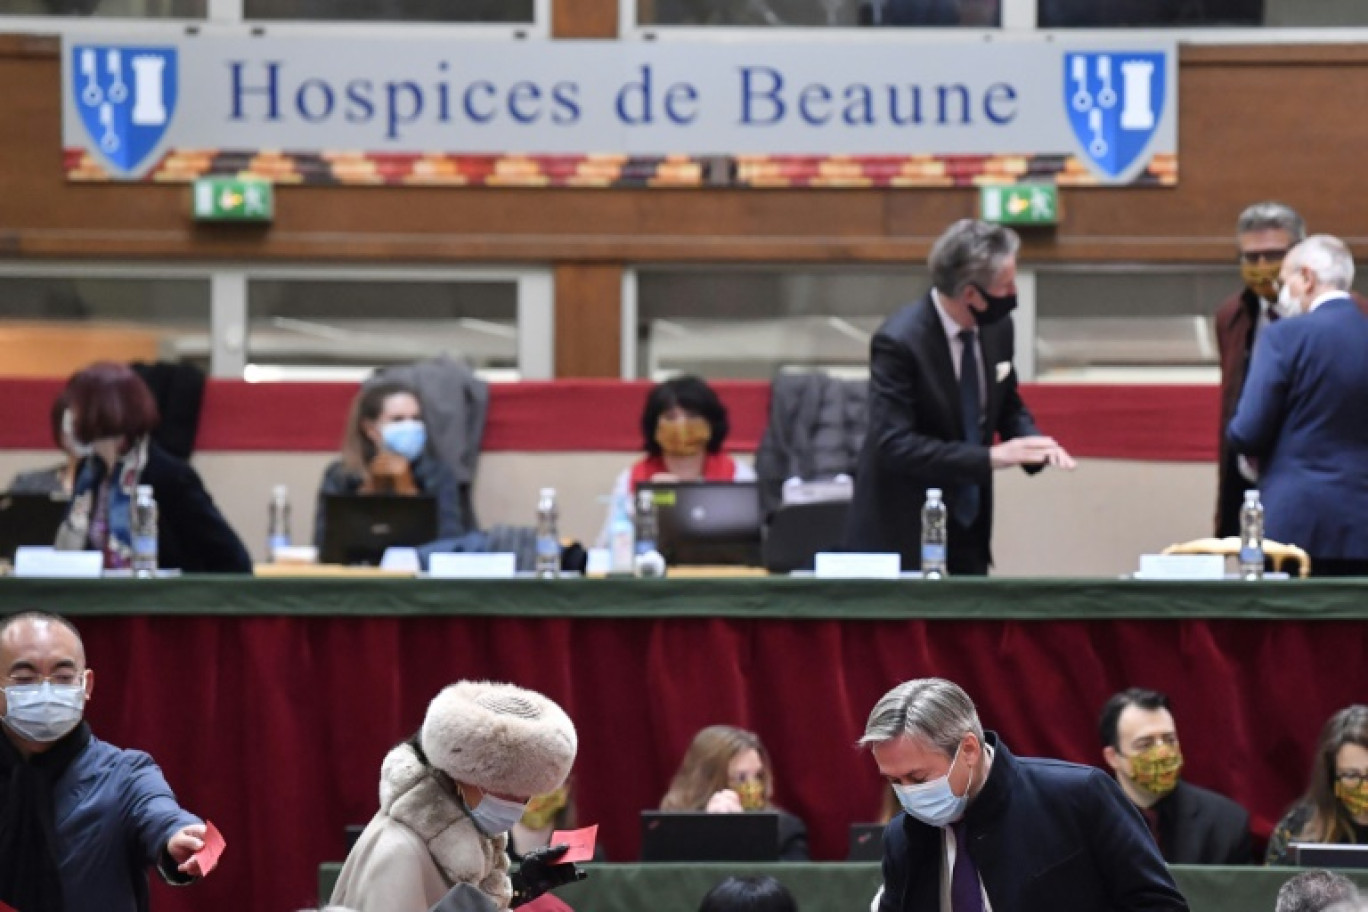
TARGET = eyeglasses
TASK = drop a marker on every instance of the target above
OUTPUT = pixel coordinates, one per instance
(57, 679)
(1352, 778)
(1262, 256)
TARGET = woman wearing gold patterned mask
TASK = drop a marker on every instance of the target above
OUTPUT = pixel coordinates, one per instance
(1335, 806)
(683, 431)
(726, 770)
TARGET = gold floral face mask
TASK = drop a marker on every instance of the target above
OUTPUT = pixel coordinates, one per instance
(1261, 278)
(751, 792)
(542, 809)
(1156, 769)
(682, 436)
(1353, 797)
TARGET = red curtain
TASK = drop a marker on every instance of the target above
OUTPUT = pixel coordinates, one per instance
(275, 727)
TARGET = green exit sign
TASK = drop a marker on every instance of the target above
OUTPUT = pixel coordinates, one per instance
(1020, 204)
(227, 199)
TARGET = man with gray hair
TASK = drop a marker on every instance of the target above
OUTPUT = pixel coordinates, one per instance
(1315, 891)
(1301, 418)
(985, 830)
(941, 388)
(1264, 233)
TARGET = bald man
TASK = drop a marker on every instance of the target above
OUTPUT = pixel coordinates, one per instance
(80, 820)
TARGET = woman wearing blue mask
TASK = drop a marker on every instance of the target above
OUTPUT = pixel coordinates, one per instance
(385, 451)
(449, 797)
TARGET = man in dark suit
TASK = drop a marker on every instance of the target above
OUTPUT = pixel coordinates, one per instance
(1301, 418)
(941, 387)
(1191, 824)
(984, 829)
(1264, 233)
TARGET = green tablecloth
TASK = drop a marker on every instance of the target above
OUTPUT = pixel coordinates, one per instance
(778, 597)
(840, 887)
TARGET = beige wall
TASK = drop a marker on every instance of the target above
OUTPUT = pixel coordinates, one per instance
(1093, 522)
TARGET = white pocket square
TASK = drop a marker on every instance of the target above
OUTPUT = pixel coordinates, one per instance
(1003, 369)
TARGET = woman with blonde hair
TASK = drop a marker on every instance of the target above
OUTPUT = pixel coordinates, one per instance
(727, 770)
(1335, 806)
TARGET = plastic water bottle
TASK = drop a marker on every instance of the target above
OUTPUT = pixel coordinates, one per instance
(933, 531)
(278, 521)
(548, 539)
(648, 561)
(621, 538)
(144, 522)
(1252, 537)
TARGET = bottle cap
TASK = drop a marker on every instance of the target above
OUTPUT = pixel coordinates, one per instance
(548, 492)
(933, 493)
(280, 492)
(1252, 496)
(144, 490)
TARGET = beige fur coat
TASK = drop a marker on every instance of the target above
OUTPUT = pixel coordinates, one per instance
(419, 845)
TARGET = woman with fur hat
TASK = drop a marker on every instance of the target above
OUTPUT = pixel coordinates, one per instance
(450, 794)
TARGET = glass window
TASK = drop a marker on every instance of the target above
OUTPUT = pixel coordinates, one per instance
(51, 327)
(750, 323)
(1196, 13)
(978, 13)
(393, 10)
(131, 9)
(310, 329)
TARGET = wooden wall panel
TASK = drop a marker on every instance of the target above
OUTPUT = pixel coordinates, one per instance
(588, 320)
(1256, 122)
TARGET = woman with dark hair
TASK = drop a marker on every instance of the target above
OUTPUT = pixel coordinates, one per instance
(1335, 806)
(727, 770)
(757, 893)
(58, 479)
(683, 430)
(384, 452)
(110, 416)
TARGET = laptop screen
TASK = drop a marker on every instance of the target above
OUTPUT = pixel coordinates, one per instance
(699, 836)
(359, 527)
(708, 522)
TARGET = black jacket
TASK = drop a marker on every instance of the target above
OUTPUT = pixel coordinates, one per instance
(916, 439)
(1046, 836)
(1198, 826)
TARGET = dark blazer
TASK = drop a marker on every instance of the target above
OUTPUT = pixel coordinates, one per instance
(1237, 321)
(1198, 826)
(1046, 836)
(916, 439)
(1302, 416)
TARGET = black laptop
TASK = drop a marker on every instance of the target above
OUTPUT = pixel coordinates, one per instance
(1329, 855)
(866, 842)
(708, 522)
(699, 836)
(359, 527)
(29, 519)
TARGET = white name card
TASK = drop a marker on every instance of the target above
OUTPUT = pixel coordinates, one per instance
(1181, 567)
(38, 561)
(856, 565)
(497, 565)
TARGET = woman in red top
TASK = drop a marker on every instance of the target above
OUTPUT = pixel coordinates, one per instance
(683, 430)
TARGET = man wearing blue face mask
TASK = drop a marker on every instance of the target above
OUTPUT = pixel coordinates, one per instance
(80, 820)
(942, 389)
(449, 797)
(984, 830)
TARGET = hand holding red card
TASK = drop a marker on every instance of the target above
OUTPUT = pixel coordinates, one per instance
(581, 843)
(214, 844)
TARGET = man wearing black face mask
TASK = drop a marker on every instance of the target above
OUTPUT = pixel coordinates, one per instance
(80, 820)
(941, 388)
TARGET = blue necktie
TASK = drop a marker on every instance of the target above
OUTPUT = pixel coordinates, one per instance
(967, 498)
(966, 895)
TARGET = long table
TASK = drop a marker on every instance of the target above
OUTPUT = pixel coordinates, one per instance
(270, 703)
(848, 887)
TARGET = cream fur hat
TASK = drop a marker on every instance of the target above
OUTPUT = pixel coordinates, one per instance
(499, 738)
